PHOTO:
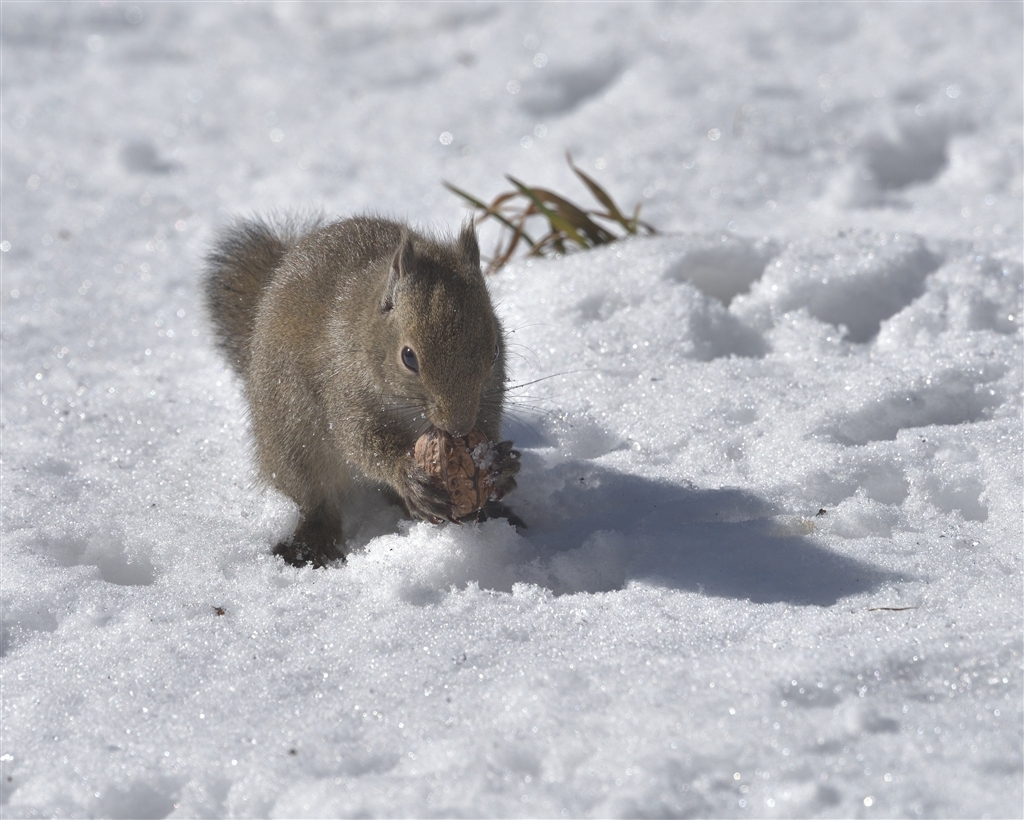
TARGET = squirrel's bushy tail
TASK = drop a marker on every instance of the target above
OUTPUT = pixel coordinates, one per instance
(239, 266)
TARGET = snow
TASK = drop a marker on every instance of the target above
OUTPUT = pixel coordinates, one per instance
(771, 457)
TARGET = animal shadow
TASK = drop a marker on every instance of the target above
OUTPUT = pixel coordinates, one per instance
(596, 529)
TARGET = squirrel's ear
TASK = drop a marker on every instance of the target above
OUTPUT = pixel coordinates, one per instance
(470, 247)
(403, 265)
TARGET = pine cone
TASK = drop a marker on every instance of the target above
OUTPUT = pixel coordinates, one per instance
(463, 465)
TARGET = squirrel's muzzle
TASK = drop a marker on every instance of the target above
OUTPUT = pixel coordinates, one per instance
(456, 420)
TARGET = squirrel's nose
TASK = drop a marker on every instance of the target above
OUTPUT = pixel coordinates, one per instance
(455, 410)
(455, 423)
(458, 430)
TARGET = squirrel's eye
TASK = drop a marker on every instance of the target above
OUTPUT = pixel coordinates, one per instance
(409, 360)
(497, 350)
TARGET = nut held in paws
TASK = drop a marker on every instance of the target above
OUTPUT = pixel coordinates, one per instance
(462, 465)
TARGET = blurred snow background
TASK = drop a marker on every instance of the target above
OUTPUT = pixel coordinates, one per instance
(774, 481)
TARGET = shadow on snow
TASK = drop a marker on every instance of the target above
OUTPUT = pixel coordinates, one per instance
(596, 529)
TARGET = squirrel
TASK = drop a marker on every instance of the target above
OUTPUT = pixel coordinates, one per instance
(352, 339)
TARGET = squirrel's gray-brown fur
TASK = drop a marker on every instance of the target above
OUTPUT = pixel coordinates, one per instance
(352, 339)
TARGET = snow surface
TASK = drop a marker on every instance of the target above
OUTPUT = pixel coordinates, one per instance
(772, 474)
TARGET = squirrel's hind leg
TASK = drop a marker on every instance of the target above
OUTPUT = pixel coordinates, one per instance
(316, 540)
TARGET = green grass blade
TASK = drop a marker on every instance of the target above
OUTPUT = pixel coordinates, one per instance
(568, 222)
(577, 216)
(557, 221)
(468, 197)
(599, 193)
(635, 221)
(489, 210)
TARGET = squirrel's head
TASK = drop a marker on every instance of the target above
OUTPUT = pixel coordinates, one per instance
(446, 351)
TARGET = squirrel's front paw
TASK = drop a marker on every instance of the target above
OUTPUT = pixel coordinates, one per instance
(423, 498)
(506, 466)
